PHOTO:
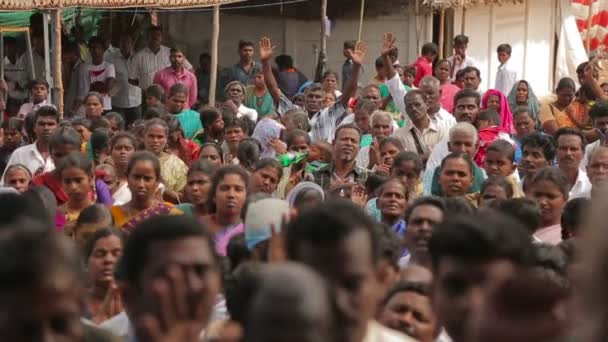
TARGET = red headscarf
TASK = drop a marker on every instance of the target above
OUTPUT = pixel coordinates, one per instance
(506, 118)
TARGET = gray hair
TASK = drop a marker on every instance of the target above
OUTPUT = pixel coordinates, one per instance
(430, 81)
(379, 115)
(465, 128)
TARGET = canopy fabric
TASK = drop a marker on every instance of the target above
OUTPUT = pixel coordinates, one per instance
(88, 18)
(21, 5)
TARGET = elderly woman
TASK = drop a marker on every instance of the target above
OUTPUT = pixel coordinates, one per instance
(235, 93)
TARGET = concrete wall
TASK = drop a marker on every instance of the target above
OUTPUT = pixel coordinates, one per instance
(294, 37)
(531, 36)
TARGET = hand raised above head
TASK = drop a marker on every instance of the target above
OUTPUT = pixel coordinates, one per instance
(388, 43)
(266, 49)
(358, 54)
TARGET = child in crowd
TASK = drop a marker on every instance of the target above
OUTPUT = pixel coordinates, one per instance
(424, 63)
(407, 167)
(189, 119)
(500, 162)
(39, 90)
(82, 125)
(185, 149)
(235, 130)
(93, 105)
(495, 188)
(506, 76)
(13, 139)
(77, 177)
(489, 130)
(90, 219)
(409, 75)
(549, 188)
(573, 217)
(155, 96)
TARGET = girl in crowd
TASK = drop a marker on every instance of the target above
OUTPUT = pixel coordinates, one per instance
(18, 176)
(101, 254)
(98, 147)
(144, 178)
(330, 83)
(82, 125)
(559, 113)
(173, 170)
(407, 167)
(258, 97)
(495, 99)
(213, 126)
(89, 221)
(122, 148)
(77, 179)
(93, 105)
(117, 122)
(448, 89)
(248, 153)
(549, 188)
(392, 202)
(13, 139)
(495, 187)
(213, 153)
(185, 149)
(197, 189)
(389, 149)
(522, 95)
(226, 202)
(298, 141)
(456, 176)
(305, 195)
(189, 119)
(265, 176)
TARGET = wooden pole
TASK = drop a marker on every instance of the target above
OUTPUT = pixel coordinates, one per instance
(417, 22)
(30, 56)
(58, 82)
(464, 20)
(589, 23)
(441, 31)
(361, 20)
(214, 44)
(526, 36)
(323, 53)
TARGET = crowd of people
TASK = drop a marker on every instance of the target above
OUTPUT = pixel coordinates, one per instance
(418, 207)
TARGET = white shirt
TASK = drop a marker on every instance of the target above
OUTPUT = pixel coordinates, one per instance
(250, 113)
(31, 158)
(100, 73)
(15, 75)
(29, 108)
(427, 138)
(145, 63)
(379, 333)
(395, 88)
(582, 186)
(126, 95)
(506, 77)
(444, 120)
(466, 62)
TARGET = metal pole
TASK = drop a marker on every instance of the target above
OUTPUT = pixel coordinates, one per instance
(441, 32)
(47, 51)
(464, 20)
(361, 19)
(214, 46)
(323, 53)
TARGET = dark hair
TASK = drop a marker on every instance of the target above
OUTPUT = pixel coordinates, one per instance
(467, 93)
(490, 115)
(237, 251)
(209, 115)
(76, 160)
(64, 136)
(297, 133)
(461, 39)
(524, 210)
(144, 156)
(265, 163)
(455, 206)
(331, 73)
(327, 225)
(366, 105)
(237, 122)
(506, 48)
(389, 244)
(284, 62)
(409, 156)
(156, 122)
(123, 135)
(497, 181)
(459, 155)
(117, 117)
(217, 147)
(177, 88)
(415, 92)
(553, 175)
(157, 229)
(99, 234)
(100, 141)
(405, 286)
(433, 201)
(244, 43)
(96, 40)
(350, 44)
(203, 166)
(459, 75)
(472, 69)
(565, 83)
(550, 258)
(573, 216)
(430, 49)
(240, 289)
(176, 49)
(81, 121)
(156, 91)
(347, 126)
(94, 94)
(220, 174)
(570, 131)
(248, 153)
(100, 122)
(13, 124)
(45, 112)
(95, 213)
(599, 110)
(392, 141)
(36, 82)
(173, 123)
(480, 238)
(503, 147)
(379, 63)
(374, 181)
(522, 109)
(154, 112)
(542, 141)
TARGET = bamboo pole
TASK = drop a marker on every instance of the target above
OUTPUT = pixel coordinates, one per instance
(323, 53)
(464, 20)
(589, 23)
(214, 44)
(2, 55)
(58, 82)
(441, 32)
(361, 20)
(526, 36)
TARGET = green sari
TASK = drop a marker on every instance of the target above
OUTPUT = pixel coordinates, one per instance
(264, 105)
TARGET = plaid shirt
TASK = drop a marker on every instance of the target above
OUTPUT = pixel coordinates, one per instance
(323, 124)
(324, 176)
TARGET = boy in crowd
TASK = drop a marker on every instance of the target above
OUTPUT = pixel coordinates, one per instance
(459, 60)
(155, 96)
(506, 76)
(39, 90)
(499, 161)
(538, 151)
(424, 63)
(235, 130)
(100, 74)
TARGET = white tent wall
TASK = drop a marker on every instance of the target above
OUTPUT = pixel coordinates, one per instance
(571, 50)
(530, 34)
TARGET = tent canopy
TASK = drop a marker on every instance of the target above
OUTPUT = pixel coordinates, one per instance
(24, 5)
(466, 3)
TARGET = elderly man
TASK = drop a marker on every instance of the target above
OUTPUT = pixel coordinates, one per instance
(597, 171)
(431, 88)
(463, 138)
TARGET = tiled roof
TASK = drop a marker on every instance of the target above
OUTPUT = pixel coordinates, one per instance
(16, 5)
(467, 3)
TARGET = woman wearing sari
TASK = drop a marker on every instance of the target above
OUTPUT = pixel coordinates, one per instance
(143, 177)
(448, 89)
(562, 112)
(258, 97)
(522, 95)
(226, 202)
(173, 170)
(495, 99)
(122, 148)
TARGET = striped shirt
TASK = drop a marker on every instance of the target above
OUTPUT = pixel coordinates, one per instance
(145, 63)
(323, 124)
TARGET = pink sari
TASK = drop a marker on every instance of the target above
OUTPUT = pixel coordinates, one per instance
(506, 118)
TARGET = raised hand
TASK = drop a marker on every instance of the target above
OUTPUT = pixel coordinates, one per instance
(388, 43)
(266, 49)
(358, 195)
(358, 54)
